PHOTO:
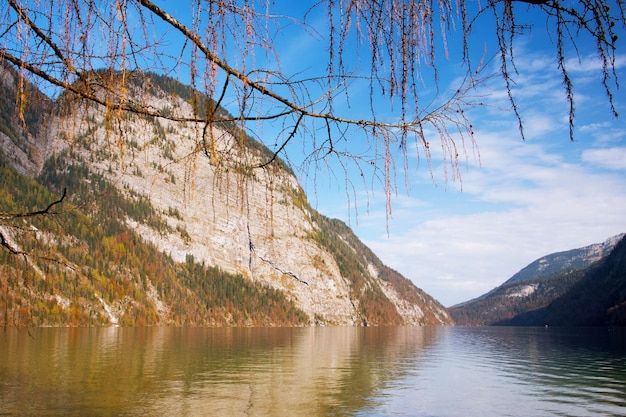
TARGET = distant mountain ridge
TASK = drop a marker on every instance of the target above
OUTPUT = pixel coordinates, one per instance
(166, 223)
(567, 260)
(537, 286)
(597, 299)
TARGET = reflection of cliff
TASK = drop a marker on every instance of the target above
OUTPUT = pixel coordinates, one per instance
(279, 372)
(188, 372)
(283, 371)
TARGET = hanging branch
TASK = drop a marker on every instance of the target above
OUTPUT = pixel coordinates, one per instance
(282, 146)
(9, 216)
(399, 45)
(5, 241)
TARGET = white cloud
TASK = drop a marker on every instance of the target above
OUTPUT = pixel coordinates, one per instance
(537, 124)
(609, 158)
(527, 199)
(458, 257)
(591, 64)
(521, 199)
(603, 133)
(593, 127)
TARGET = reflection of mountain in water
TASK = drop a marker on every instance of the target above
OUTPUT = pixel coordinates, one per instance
(226, 371)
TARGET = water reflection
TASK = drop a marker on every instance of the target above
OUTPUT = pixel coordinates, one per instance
(189, 372)
(407, 371)
(513, 372)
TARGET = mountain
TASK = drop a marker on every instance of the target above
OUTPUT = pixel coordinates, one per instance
(536, 286)
(162, 222)
(566, 261)
(22, 132)
(597, 299)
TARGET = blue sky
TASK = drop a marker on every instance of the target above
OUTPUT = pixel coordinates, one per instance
(521, 199)
(515, 201)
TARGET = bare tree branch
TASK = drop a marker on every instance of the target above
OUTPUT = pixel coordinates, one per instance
(8, 216)
(90, 52)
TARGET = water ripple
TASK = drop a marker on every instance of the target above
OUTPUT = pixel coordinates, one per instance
(406, 371)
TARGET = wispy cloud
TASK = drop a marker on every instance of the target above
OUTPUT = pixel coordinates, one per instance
(592, 64)
(516, 200)
(524, 200)
(609, 158)
(523, 203)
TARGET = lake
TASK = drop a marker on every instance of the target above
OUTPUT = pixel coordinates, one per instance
(387, 371)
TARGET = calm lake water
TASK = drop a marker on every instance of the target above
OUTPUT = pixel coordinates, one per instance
(395, 371)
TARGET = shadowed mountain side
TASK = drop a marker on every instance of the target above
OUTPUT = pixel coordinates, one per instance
(598, 299)
(534, 287)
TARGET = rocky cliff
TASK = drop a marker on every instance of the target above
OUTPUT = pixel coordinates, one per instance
(208, 200)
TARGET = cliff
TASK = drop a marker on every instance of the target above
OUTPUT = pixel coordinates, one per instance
(175, 222)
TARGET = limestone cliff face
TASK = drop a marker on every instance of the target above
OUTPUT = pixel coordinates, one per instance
(222, 209)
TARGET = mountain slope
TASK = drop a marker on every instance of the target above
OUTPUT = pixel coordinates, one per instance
(534, 287)
(23, 114)
(84, 267)
(567, 260)
(167, 214)
(598, 299)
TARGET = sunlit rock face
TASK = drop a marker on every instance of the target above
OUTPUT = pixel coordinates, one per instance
(222, 209)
